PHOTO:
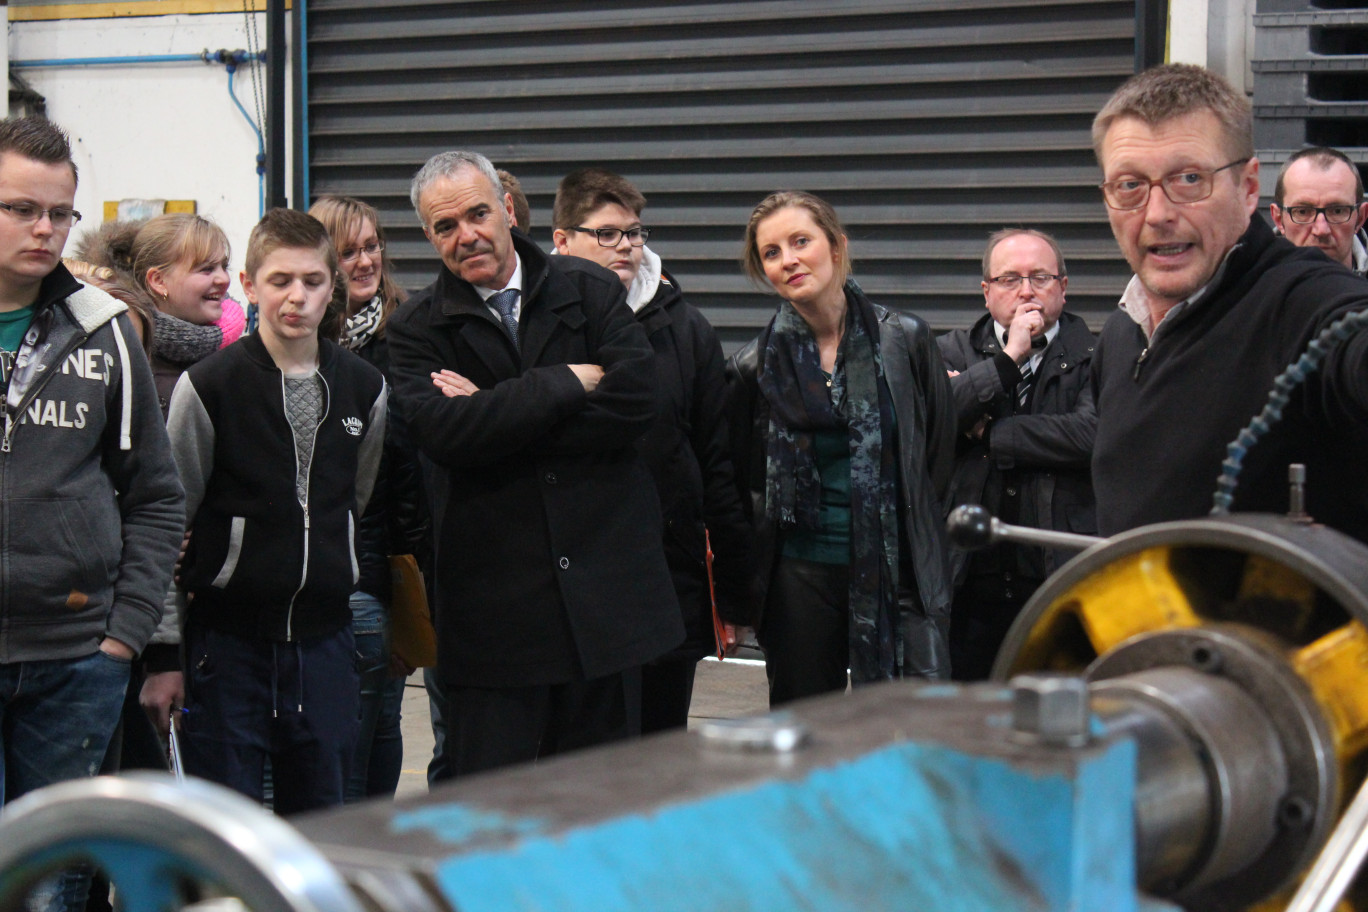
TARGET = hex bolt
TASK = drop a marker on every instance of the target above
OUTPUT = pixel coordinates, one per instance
(1050, 709)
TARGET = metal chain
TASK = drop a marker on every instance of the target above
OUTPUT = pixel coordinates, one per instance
(254, 50)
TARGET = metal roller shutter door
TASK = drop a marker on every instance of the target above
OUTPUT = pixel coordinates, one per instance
(927, 123)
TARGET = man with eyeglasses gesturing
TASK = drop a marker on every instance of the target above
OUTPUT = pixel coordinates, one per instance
(1019, 376)
(91, 511)
(1217, 309)
(1318, 202)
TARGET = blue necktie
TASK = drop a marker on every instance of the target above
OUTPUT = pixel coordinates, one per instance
(504, 302)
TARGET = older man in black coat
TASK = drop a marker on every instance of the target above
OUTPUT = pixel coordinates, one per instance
(527, 381)
(1026, 421)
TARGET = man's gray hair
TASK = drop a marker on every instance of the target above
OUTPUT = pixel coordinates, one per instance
(447, 164)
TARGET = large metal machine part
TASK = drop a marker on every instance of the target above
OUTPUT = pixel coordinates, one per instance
(1234, 651)
(1197, 748)
(898, 797)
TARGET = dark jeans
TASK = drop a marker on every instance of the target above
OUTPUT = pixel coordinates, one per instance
(439, 767)
(380, 743)
(56, 719)
(296, 703)
(805, 632)
(492, 727)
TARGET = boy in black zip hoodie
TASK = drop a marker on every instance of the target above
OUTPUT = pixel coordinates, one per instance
(278, 441)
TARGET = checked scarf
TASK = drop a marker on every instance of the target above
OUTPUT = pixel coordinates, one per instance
(362, 326)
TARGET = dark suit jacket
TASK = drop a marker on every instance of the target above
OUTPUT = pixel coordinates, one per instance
(549, 566)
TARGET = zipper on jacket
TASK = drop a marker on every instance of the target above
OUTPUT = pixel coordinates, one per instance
(303, 575)
(13, 417)
(308, 480)
(49, 370)
(1139, 361)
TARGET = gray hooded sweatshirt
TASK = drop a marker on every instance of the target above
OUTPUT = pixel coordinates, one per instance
(91, 509)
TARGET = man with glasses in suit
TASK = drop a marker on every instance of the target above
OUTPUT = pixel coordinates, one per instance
(1024, 411)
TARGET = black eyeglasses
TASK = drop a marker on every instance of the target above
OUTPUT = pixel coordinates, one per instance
(372, 250)
(60, 216)
(1126, 193)
(1039, 280)
(609, 237)
(1305, 215)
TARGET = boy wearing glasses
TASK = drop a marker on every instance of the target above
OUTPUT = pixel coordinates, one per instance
(1019, 376)
(597, 216)
(1318, 202)
(91, 511)
(1218, 308)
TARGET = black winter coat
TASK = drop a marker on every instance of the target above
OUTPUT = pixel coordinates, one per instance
(1044, 451)
(396, 520)
(688, 451)
(1167, 406)
(926, 442)
(546, 523)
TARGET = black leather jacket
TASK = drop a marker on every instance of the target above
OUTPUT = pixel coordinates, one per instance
(1045, 452)
(926, 442)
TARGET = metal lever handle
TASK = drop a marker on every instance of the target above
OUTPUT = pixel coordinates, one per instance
(1338, 862)
(972, 527)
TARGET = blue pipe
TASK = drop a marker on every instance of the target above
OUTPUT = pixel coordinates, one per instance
(261, 144)
(104, 61)
(205, 56)
(230, 59)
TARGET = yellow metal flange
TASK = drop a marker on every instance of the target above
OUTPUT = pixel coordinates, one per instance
(1300, 587)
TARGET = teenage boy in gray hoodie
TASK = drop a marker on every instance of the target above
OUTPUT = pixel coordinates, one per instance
(91, 511)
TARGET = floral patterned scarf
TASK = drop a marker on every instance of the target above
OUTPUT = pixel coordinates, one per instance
(859, 403)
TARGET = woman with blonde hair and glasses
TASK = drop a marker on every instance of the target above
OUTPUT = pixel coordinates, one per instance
(844, 431)
(395, 522)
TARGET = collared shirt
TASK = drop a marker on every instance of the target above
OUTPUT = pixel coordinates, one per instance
(1135, 299)
(514, 281)
(1037, 354)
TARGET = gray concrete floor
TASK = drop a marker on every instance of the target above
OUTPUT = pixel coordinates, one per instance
(722, 690)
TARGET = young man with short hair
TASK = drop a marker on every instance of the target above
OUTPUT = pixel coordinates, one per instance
(91, 512)
(597, 216)
(278, 439)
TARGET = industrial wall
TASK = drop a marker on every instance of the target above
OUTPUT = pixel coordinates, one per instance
(162, 130)
(927, 123)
